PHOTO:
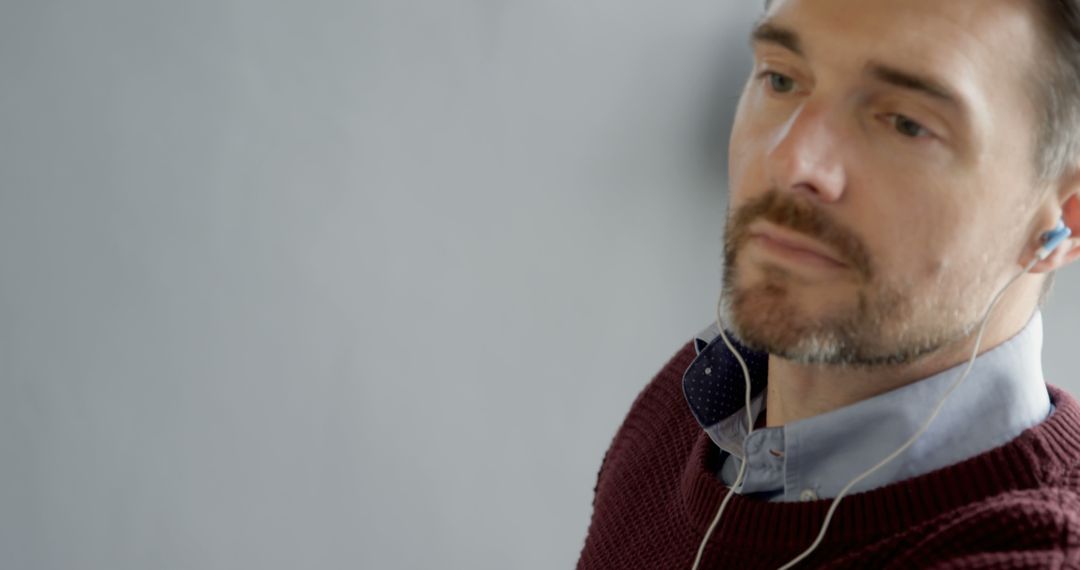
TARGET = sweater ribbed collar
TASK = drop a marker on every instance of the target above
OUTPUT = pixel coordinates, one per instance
(1037, 457)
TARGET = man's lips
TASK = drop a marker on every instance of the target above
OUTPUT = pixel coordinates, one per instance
(793, 245)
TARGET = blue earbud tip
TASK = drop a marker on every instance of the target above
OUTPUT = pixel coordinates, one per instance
(1053, 238)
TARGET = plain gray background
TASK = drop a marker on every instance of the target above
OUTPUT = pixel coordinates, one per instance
(336, 284)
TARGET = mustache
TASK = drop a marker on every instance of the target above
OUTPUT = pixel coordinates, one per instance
(801, 217)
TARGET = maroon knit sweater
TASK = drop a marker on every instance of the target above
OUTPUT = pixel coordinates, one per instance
(1016, 506)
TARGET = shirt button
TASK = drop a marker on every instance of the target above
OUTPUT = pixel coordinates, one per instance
(808, 495)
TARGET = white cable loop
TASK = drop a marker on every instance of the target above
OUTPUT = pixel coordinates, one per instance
(880, 464)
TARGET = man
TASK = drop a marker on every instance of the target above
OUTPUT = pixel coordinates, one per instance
(893, 167)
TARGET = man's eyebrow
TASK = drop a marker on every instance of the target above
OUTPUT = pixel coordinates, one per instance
(914, 82)
(770, 33)
(766, 32)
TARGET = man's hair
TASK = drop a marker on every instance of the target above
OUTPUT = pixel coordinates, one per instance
(1057, 81)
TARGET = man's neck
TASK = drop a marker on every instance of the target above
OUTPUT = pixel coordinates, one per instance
(798, 391)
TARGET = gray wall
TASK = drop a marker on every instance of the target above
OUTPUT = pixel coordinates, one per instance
(348, 284)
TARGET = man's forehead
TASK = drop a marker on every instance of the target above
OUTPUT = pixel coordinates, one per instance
(931, 32)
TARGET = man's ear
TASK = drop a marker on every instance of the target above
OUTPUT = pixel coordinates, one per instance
(1069, 250)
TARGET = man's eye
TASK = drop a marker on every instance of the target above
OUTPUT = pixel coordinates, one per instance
(908, 128)
(779, 83)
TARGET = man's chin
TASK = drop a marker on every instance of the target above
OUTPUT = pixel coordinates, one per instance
(765, 319)
(825, 343)
(835, 335)
(790, 341)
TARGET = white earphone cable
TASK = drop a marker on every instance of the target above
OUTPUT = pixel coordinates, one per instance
(883, 462)
(749, 430)
(925, 426)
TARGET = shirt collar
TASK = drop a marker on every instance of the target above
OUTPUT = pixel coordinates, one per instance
(1004, 394)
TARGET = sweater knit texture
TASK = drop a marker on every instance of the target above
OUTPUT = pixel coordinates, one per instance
(1016, 506)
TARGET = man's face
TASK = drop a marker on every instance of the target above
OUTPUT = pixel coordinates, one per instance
(895, 137)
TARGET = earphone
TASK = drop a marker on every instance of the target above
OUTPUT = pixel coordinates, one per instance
(1053, 238)
(1049, 240)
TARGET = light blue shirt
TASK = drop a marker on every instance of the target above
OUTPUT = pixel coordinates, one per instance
(814, 458)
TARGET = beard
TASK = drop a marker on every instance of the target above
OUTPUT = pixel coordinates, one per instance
(883, 324)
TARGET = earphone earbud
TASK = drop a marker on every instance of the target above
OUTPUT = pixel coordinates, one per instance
(1052, 239)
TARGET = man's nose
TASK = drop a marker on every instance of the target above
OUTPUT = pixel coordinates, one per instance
(805, 155)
